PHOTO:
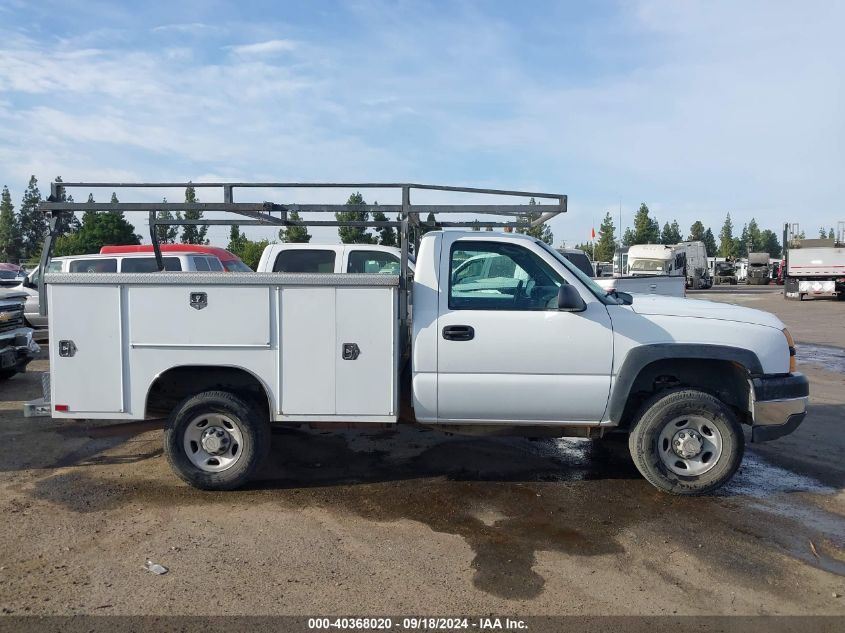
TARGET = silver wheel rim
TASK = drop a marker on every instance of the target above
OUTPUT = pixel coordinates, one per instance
(213, 442)
(690, 445)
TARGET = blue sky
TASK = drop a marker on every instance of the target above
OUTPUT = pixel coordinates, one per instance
(697, 108)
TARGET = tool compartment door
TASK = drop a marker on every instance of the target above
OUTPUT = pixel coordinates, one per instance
(90, 318)
(365, 369)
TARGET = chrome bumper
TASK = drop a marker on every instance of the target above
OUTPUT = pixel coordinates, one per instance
(779, 405)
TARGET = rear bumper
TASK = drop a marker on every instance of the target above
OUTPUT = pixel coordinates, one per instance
(779, 405)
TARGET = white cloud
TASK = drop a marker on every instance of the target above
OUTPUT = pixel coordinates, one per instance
(705, 108)
(191, 28)
(269, 47)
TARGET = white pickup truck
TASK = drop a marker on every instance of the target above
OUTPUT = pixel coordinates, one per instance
(529, 346)
(331, 258)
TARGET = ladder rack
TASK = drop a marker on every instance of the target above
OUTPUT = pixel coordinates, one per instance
(262, 213)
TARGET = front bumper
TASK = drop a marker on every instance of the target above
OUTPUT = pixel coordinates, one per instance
(779, 405)
(18, 350)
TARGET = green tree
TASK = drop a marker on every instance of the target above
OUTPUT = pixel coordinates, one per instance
(606, 243)
(32, 222)
(166, 234)
(710, 243)
(237, 240)
(646, 229)
(671, 233)
(387, 234)
(295, 234)
(696, 232)
(250, 252)
(193, 234)
(97, 230)
(822, 233)
(769, 243)
(10, 237)
(831, 235)
(355, 212)
(727, 248)
(750, 237)
(542, 232)
(629, 238)
(66, 222)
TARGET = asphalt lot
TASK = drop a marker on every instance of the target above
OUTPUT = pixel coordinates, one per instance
(416, 522)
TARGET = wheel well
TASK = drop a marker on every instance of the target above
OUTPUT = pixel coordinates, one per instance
(726, 380)
(178, 383)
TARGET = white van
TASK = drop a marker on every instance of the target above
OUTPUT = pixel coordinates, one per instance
(111, 263)
(134, 263)
(331, 258)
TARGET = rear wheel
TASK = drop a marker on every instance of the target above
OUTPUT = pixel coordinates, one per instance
(216, 440)
(686, 442)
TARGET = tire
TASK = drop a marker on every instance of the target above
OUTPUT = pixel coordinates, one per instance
(661, 422)
(245, 436)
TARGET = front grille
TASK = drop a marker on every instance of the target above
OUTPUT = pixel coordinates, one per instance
(11, 318)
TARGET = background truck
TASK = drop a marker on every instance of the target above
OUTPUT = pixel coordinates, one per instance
(725, 273)
(813, 267)
(759, 271)
(16, 345)
(529, 346)
(687, 260)
(331, 258)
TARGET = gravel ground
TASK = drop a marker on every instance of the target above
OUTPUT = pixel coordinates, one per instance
(418, 522)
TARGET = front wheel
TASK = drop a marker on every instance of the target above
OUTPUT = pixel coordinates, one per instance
(686, 442)
(215, 440)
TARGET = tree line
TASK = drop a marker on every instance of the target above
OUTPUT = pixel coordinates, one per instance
(22, 231)
(646, 230)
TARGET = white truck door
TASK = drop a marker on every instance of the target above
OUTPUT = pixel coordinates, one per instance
(505, 352)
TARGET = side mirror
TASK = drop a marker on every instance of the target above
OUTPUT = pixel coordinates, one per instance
(569, 299)
(27, 282)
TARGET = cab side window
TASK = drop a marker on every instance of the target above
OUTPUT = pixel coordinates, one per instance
(104, 265)
(148, 264)
(372, 262)
(499, 276)
(304, 260)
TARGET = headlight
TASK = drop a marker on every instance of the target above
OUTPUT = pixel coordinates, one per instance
(791, 343)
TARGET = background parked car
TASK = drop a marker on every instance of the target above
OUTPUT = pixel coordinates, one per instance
(133, 262)
(16, 345)
(11, 275)
(231, 262)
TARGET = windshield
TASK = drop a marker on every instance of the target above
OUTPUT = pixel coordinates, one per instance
(236, 266)
(599, 292)
(648, 265)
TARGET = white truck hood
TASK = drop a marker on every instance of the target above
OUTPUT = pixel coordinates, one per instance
(673, 306)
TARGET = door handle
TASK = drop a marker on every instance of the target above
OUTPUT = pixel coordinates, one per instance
(458, 333)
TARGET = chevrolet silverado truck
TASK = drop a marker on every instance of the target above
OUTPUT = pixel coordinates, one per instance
(16, 345)
(524, 344)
